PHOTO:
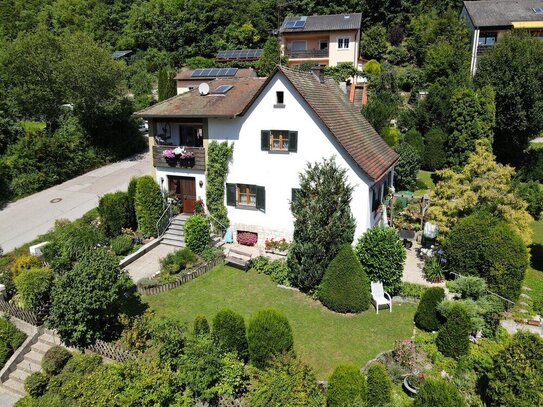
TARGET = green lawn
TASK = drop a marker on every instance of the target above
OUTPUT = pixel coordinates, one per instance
(322, 338)
(534, 275)
(424, 177)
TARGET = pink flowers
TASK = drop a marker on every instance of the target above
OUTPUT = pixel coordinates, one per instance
(168, 154)
(247, 238)
(178, 153)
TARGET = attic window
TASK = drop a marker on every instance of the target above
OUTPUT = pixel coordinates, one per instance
(280, 99)
(221, 90)
(538, 10)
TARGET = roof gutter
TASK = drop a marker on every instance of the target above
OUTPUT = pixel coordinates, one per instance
(527, 24)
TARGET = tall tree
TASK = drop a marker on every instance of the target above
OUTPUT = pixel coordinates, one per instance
(270, 57)
(322, 222)
(166, 84)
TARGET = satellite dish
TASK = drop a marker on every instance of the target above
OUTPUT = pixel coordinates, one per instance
(203, 89)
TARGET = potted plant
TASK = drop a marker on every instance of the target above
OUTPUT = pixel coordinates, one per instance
(170, 157)
(279, 247)
(433, 271)
(186, 158)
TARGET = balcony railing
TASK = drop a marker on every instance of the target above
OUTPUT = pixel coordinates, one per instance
(196, 163)
(307, 53)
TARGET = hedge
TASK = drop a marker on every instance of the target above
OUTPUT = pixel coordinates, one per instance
(35, 384)
(427, 317)
(10, 339)
(346, 387)
(345, 286)
(268, 334)
(114, 210)
(438, 392)
(196, 232)
(379, 386)
(229, 332)
(148, 204)
(453, 336)
(55, 359)
(34, 287)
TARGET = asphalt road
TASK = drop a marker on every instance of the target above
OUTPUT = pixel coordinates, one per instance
(27, 218)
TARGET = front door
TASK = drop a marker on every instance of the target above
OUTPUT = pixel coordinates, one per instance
(184, 188)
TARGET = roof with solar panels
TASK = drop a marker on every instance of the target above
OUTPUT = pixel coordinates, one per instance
(335, 22)
(214, 73)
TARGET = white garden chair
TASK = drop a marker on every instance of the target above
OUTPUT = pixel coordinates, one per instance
(379, 296)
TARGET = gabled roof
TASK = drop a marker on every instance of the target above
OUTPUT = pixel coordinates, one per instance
(334, 22)
(502, 13)
(192, 104)
(355, 134)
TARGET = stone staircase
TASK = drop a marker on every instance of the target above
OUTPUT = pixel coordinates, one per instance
(28, 363)
(174, 234)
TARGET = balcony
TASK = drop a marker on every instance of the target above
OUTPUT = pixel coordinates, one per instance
(195, 163)
(307, 53)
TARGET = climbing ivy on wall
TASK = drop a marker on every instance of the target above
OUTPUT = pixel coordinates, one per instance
(218, 157)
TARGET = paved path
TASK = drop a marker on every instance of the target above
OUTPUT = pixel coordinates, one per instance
(412, 272)
(27, 218)
(148, 265)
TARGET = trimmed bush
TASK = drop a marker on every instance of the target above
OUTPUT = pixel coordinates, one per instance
(268, 334)
(532, 193)
(346, 387)
(122, 244)
(453, 336)
(382, 255)
(345, 286)
(229, 332)
(177, 261)
(405, 172)
(469, 287)
(427, 317)
(34, 287)
(55, 359)
(201, 326)
(10, 339)
(379, 386)
(148, 205)
(415, 140)
(372, 67)
(391, 135)
(434, 157)
(131, 192)
(114, 210)
(438, 392)
(35, 384)
(196, 232)
(24, 262)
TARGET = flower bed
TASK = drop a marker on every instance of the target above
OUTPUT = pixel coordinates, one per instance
(247, 238)
(279, 247)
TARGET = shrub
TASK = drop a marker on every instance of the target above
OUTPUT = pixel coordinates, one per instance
(55, 359)
(229, 332)
(268, 334)
(168, 339)
(379, 386)
(10, 339)
(148, 205)
(346, 387)
(372, 67)
(196, 232)
(405, 172)
(434, 157)
(483, 246)
(114, 210)
(534, 164)
(34, 287)
(453, 336)
(24, 262)
(131, 192)
(412, 290)
(398, 55)
(432, 270)
(35, 384)
(5, 352)
(247, 238)
(391, 135)
(121, 245)
(426, 316)
(345, 286)
(438, 392)
(415, 140)
(469, 287)
(373, 42)
(382, 255)
(276, 269)
(532, 193)
(177, 261)
(201, 326)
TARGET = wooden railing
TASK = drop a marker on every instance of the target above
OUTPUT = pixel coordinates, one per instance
(307, 53)
(196, 163)
(111, 351)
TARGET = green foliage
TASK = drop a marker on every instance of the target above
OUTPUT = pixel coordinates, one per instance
(131, 191)
(380, 109)
(405, 172)
(426, 316)
(453, 336)
(346, 387)
(200, 62)
(345, 286)
(148, 204)
(432, 270)
(287, 382)
(373, 43)
(200, 325)
(10, 339)
(233, 378)
(415, 140)
(276, 269)
(178, 261)
(438, 392)
(434, 156)
(412, 290)
(218, 158)
(114, 210)
(34, 287)
(379, 386)
(55, 359)
(446, 61)
(322, 222)
(532, 193)
(229, 332)
(398, 55)
(24, 262)
(88, 299)
(35, 384)
(166, 84)
(270, 57)
(168, 339)
(516, 378)
(342, 71)
(469, 287)
(533, 169)
(268, 334)
(391, 135)
(382, 256)
(372, 67)
(483, 246)
(196, 232)
(519, 113)
(121, 245)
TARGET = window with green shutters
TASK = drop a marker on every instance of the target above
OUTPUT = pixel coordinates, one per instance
(245, 196)
(279, 141)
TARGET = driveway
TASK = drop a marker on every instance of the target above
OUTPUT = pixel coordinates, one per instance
(27, 218)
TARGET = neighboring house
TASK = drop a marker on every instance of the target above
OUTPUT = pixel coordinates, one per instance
(188, 79)
(277, 126)
(323, 40)
(241, 55)
(490, 20)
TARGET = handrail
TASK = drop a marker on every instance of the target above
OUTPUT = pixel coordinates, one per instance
(224, 228)
(168, 211)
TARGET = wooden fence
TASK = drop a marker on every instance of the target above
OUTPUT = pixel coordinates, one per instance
(20, 313)
(111, 351)
(182, 279)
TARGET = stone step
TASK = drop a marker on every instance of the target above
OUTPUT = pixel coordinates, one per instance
(49, 339)
(28, 366)
(19, 375)
(174, 232)
(170, 236)
(524, 295)
(14, 387)
(176, 227)
(34, 356)
(42, 346)
(173, 242)
(179, 221)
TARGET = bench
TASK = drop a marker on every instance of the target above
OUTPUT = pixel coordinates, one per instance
(239, 259)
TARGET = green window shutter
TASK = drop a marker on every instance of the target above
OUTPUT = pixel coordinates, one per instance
(265, 140)
(261, 198)
(231, 194)
(292, 141)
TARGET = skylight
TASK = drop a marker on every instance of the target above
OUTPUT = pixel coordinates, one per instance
(538, 10)
(222, 89)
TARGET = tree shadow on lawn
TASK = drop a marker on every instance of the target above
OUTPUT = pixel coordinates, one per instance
(537, 256)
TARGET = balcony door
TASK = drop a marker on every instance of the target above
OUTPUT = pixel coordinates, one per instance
(191, 136)
(184, 188)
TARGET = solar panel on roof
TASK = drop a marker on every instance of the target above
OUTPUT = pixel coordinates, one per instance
(197, 72)
(221, 90)
(538, 10)
(299, 24)
(290, 24)
(231, 72)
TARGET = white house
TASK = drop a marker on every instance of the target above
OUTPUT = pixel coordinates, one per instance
(277, 125)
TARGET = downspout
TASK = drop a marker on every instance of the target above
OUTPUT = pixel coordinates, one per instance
(474, 48)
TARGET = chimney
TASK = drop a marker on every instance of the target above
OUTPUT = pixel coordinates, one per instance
(365, 94)
(318, 72)
(352, 92)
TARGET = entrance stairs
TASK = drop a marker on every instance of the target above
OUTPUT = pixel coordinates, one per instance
(174, 234)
